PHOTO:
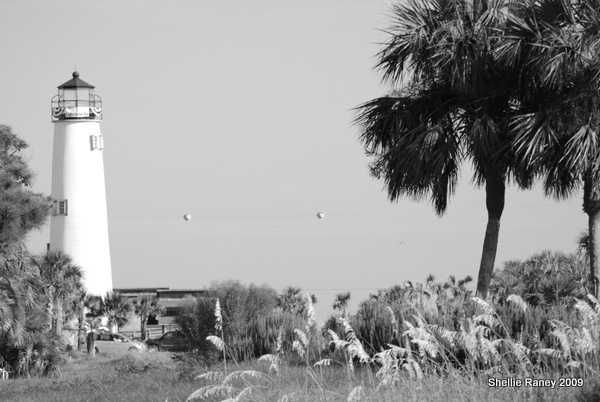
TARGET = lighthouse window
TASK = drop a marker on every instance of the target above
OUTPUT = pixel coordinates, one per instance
(97, 142)
(61, 207)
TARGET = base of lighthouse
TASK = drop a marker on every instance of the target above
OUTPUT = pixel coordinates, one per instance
(79, 225)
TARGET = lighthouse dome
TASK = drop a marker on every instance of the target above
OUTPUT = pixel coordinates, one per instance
(76, 100)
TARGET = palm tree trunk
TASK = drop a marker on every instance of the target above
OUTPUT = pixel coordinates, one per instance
(50, 313)
(143, 327)
(494, 199)
(79, 331)
(58, 319)
(91, 344)
(591, 206)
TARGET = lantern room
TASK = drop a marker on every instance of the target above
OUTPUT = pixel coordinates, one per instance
(76, 100)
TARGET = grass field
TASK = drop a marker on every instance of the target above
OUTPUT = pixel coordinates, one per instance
(159, 377)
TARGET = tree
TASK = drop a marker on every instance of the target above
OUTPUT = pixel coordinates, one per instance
(61, 280)
(291, 300)
(18, 296)
(77, 308)
(144, 307)
(450, 103)
(246, 311)
(21, 210)
(341, 301)
(583, 245)
(114, 307)
(92, 326)
(558, 133)
(196, 320)
(543, 279)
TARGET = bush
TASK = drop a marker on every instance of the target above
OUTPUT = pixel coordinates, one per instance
(40, 354)
(197, 321)
(250, 329)
(250, 323)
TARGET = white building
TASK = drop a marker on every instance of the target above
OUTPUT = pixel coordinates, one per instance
(79, 224)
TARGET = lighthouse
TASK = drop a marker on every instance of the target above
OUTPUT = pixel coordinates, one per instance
(79, 225)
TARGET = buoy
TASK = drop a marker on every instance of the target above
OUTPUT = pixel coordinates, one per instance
(320, 215)
(187, 217)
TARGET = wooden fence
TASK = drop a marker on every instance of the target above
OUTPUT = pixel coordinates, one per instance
(152, 331)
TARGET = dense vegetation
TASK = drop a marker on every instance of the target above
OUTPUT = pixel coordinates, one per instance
(511, 87)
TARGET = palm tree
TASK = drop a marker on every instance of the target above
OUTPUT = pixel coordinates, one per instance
(144, 307)
(558, 136)
(18, 284)
(116, 308)
(78, 307)
(61, 280)
(583, 245)
(21, 211)
(292, 300)
(289, 298)
(113, 307)
(92, 326)
(341, 301)
(450, 103)
(543, 279)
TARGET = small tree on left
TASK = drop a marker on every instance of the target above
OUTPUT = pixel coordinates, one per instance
(21, 210)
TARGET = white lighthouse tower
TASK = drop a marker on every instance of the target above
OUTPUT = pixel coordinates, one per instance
(79, 224)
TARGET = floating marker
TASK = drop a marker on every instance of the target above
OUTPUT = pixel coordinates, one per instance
(187, 217)
(320, 215)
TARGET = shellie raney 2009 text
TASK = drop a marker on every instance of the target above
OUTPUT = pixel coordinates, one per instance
(535, 382)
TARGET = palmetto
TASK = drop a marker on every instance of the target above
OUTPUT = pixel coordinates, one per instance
(146, 306)
(450, 103)
(557, 136)
(61, 279)
(113, 306)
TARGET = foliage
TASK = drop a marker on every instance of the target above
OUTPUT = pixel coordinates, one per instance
(291, 300)
(244, 309)
(197, 321)
(24, 348)
(253, 321)
(450, 103)
(557, 131)
(341, 301)
(381, 319)
(21, 210)
(108, 379)
(60, 281)
(482, 344)
(146, 306)
(113, 306)
(39, 354)
(544, 279)
(138, 363)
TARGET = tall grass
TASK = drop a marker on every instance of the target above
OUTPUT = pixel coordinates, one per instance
(481, 347)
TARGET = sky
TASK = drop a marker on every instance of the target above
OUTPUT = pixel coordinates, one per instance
(239, 113)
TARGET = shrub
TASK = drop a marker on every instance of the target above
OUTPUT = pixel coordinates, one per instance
(250, 328)
(40, 354)
(197, 321)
